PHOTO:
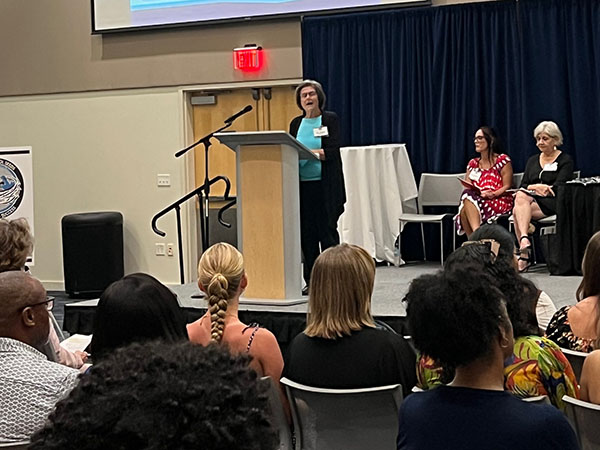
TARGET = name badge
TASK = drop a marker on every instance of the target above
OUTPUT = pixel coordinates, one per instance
(475, 175)
(321, 132)
(551, 167)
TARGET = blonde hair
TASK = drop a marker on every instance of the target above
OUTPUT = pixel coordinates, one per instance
(551, 129)
(220, 271)
(16, 244)
(341, 285)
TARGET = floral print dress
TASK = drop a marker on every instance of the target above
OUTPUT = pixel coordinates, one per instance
(559, 330)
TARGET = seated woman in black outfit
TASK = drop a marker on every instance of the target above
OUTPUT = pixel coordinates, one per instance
(542, 173)
(459, 318)
(341, 348)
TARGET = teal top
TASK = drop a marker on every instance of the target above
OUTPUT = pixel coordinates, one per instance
(310, 170)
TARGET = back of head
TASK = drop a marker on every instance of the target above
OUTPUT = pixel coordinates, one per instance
(220, 272)
(454, 315)
(16, 244)
(341, 285)
(23, 315)
(136, 308)
(500, 235)
(492, 248)
(163, 396)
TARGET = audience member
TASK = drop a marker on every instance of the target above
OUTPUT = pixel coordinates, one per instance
(16, 244)
(459, 318)
(537, 198)
(136, 308)
(590, 378)
(222, 277)
(537, 366)
(577, 327)
(161, 395)
(30, 385)
(491, 175)
(544, 306)
(341, 347)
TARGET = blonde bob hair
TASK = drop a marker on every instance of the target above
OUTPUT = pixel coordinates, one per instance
(220, 272)
(341, 285)
(16, 244)
(551, 129)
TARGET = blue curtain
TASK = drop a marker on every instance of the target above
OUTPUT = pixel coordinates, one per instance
(430, 77)
(561, 77)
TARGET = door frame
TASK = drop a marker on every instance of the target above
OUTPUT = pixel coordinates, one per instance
(189, 222)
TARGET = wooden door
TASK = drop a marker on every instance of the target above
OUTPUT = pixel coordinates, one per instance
(209, 117)
(273, 109)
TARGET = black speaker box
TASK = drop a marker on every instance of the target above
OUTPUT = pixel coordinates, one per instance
(92, 252)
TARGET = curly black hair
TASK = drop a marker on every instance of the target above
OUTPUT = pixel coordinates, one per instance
(161, 395)
(454, 315)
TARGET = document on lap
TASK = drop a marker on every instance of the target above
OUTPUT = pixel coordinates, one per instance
(469, 185)
(77, 342)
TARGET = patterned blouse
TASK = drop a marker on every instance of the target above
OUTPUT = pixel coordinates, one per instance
(559, 331)
(537, 367)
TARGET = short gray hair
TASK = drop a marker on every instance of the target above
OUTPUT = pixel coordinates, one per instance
(551, 129)
(318, 88)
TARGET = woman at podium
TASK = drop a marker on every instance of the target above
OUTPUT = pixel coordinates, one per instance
(322, 193)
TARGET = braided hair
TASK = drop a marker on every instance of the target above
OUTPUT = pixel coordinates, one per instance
(220, 271)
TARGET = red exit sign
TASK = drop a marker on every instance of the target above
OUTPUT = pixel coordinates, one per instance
(248, 58)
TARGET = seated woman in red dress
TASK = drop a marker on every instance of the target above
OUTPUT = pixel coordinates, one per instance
(491, 175)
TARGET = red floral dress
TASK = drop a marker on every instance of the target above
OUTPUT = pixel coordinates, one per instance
(489, 179)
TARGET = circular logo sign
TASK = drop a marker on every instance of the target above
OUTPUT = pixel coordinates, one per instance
(11, 188)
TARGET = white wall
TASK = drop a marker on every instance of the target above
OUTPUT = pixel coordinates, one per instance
(101, 152)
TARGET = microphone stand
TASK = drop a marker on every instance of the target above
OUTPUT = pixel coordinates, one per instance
(205, 189)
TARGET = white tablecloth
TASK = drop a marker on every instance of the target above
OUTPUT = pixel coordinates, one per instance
(380, 185)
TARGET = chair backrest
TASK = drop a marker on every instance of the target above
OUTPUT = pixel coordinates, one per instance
(437, 189)
(278, 418)
(349, 419)
(585, 418)
(517, 178)
(540, 399)
(576, 359)
(14, 445)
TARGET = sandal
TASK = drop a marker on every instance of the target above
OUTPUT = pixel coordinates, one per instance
(527, 258)
(525, 255)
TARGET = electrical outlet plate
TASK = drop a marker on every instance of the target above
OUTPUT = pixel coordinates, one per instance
(163, 179)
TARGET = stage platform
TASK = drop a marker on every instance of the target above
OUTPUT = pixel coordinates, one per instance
(391, 284)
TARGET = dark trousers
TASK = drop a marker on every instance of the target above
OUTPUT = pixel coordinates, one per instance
(318, 231)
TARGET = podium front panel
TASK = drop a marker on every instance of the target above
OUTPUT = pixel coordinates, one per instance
(261, 188)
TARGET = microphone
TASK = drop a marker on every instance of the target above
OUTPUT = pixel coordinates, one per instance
(248, 108)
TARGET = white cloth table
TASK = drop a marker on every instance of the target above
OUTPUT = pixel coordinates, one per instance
(380, 185)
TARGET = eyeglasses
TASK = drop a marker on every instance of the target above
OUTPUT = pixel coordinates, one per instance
(492, 244)
(308, 94)
(479, 138)
(49, 302)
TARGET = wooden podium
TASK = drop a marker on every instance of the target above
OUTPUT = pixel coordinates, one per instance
(268, 212)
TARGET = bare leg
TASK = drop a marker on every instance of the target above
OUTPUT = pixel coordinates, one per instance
(524, 210)
(472, 216)
(522, 217)
(464, 222)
